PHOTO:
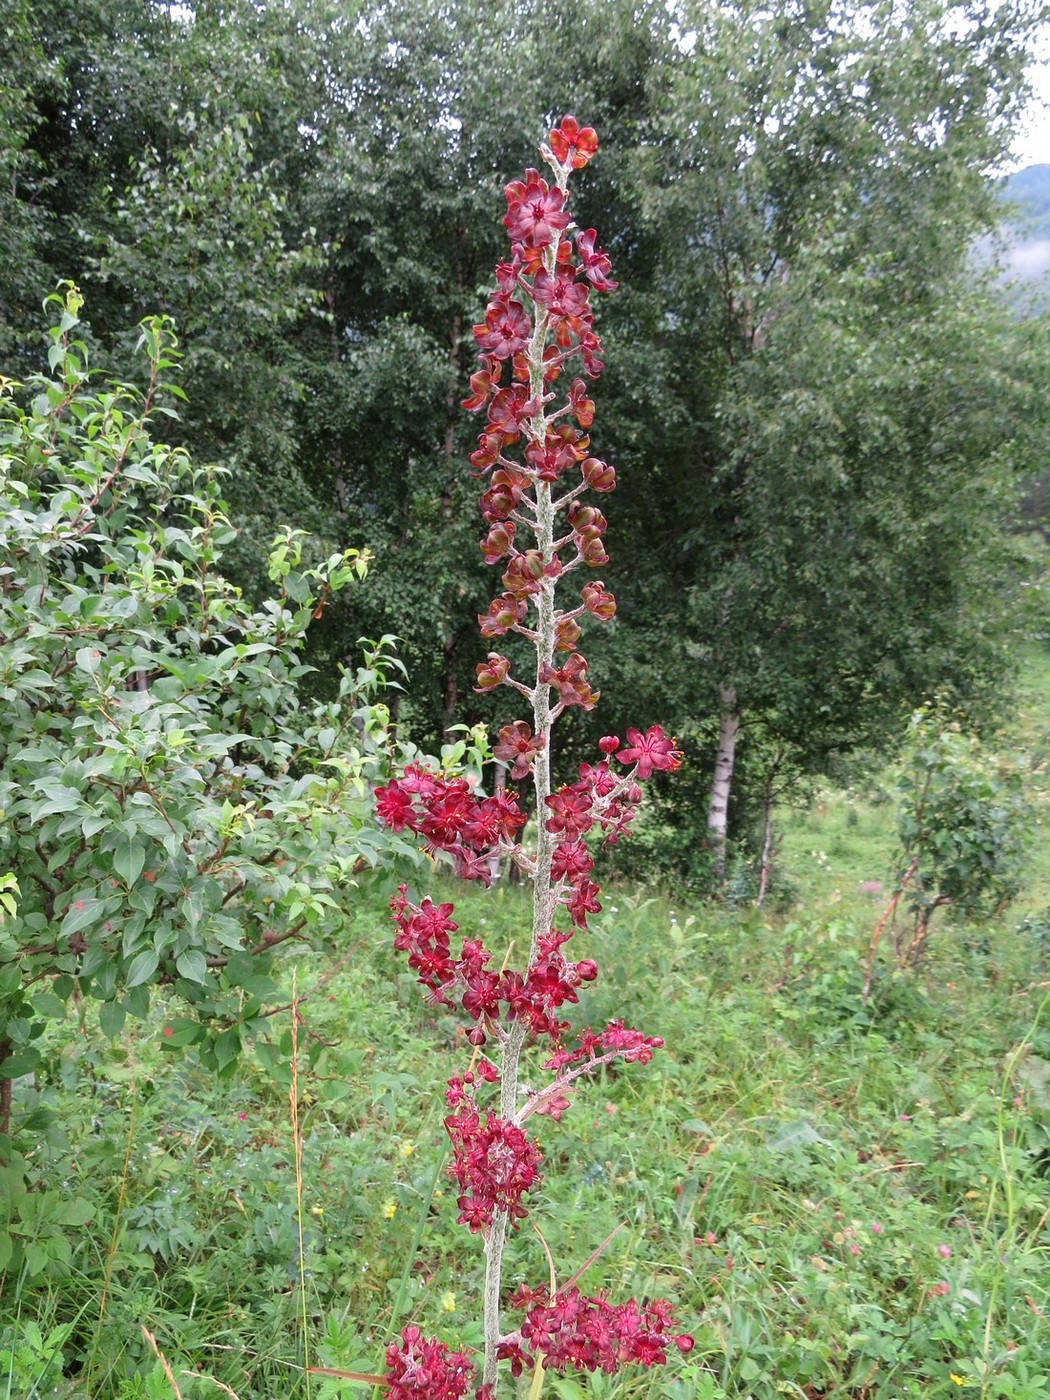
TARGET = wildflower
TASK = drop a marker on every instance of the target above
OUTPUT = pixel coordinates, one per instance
(957, 1380)
(420, 1368)
(389, 1208)
(538, 319)
(876, 1228)
(407, 1148)
(650, 750)
(572, 145)
(945, 1251)
(939, 1290)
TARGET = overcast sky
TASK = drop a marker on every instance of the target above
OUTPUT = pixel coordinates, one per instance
(1033, 144)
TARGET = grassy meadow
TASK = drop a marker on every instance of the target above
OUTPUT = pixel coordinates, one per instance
(840, 1198)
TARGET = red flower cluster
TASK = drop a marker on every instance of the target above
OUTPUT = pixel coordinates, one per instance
(494, 1163)
(549, 982)
(616, 1040)
(573, 1332)
(419, 1368)
(451, 817)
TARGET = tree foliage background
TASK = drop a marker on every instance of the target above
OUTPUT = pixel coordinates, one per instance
(818, 410)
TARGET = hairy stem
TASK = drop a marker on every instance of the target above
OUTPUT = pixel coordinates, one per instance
(542, 887)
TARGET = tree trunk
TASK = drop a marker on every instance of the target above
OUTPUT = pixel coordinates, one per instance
(765, 871)
(718, 808)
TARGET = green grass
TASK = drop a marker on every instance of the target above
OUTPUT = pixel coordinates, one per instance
(840, 1199)
(787, 1170)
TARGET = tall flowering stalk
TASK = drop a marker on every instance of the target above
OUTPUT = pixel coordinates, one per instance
(534, 454)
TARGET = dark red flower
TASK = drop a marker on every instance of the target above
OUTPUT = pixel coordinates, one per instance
(571, 861)
(518, 747)
(598, 601)
(498, 542)
(570, 814)
(494, 1164)
(595, 263)
(492, 672)
(421, 1368)
(505, 612)
(394, 807)
(598, 475)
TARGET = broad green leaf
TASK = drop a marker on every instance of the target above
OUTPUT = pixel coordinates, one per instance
(21, 1062)
(191, 965)
(129, 859)
(142, 967)
(111, 1017)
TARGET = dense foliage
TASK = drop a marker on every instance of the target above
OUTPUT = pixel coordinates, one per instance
(172, 808)
(819, 417)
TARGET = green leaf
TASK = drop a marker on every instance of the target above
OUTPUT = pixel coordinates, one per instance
(181, 1032)
(142, 967)
(111, 1017)
(787, 1137)
(77, 1211)
(129, 859)
(21, 1062)
(36, 1257)
(82, 913)
(89, 659)
(192, 966)
(227, 1047)
(47, 1004)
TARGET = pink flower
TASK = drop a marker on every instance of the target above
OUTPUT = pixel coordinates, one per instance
(945, 1251)
(506, 328)
(650, 750)
(534, 211)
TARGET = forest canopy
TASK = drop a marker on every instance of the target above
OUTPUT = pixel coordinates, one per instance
(820, 411)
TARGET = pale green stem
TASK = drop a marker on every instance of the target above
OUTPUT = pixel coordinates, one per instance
(542, 888)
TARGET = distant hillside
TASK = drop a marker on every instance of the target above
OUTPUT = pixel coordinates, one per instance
(1029, 192)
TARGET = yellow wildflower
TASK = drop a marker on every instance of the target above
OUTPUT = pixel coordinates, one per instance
(389, 1208)
(448, 1302)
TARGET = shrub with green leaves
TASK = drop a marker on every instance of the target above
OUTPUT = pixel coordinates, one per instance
(172, 808)
(965, 825)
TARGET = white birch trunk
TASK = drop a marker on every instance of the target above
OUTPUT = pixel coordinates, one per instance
(718, 809)
(766, 867)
